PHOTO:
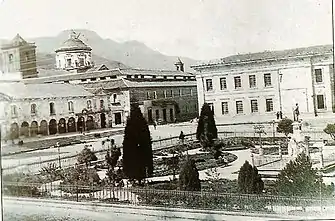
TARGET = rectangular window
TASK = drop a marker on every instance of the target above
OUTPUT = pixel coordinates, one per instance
(81, 62)
(224, 107)
(321, 101)
(254, 106)
(128, 76)
(223, 83)
(318, 75)
(148, 95)
(209, 84)
(237, 82)
(70, 106)
(68, 62)
(239, 107)
(252, 81)
(102, 104)
(180, 93)
(157, 114)
(155, 95)
(52, 108)
(269, 105)
(10, 58)
(14, 111)
(89, 104)
(211, 107)
(267, 80)
(103, 78)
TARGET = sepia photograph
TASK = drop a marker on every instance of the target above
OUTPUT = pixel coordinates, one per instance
(167, 110)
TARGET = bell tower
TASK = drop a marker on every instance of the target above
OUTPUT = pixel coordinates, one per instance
(19, 57)
(179, 65)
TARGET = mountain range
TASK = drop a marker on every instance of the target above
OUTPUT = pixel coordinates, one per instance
(113, 54)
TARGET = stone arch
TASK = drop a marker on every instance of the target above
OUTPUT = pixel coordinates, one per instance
(90, 123)
(33, 128)
(44, 127)
(71, 125)
(81, 124)
(62, 126)
(52, 126)
(24, 131)
(14, 131)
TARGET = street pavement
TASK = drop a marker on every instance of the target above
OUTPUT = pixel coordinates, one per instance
(36, 209)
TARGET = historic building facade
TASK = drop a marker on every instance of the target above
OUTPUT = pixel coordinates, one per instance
(254, 87)
(46, 109)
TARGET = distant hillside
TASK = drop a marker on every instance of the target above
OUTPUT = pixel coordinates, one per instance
(131, 53)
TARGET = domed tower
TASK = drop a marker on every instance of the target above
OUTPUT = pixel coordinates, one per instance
(179, 65)
(74, 55)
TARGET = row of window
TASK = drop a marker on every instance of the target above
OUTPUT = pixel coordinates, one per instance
(52, 109)
(252, 81)
(164, 77)
(239, 107)
(170, 93)
(238, 82)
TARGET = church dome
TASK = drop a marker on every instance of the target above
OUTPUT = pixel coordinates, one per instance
(73, 43)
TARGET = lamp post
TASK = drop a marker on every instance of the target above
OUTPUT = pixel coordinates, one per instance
(273, 131)
(58, 147)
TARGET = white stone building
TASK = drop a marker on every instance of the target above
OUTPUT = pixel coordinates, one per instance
(254, 87)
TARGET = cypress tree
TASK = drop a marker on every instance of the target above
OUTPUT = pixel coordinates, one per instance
(249, 181)
(206, 130)
(189, 176)
(137, 149)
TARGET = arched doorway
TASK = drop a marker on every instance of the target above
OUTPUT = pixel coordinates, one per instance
(44, 127)
(71, 125)
(52, 127)
(24, 131)
(62, 126)
(14, 131)
(90, 123)
(34, 129)
(81, 124)
(103, 120)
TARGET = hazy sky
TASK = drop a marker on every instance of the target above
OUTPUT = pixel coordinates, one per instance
(200, 29)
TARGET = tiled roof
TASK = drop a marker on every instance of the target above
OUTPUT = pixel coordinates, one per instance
(270, 55)
(73, 76)
(52, 90)
(73, 43)
(134, 71)
(145, 84)
(16, 41)
(110, 84)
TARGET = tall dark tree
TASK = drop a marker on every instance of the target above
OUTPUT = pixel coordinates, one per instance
(189, 176)
(249, 181)
(285, 126)
(206, 130)
(137, 149)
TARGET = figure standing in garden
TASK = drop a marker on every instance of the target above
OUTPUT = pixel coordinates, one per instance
(181, 136)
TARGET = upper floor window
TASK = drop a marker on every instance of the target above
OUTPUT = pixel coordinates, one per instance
(318, 75)
(180, 92)
(252, 81)
(70, 106)
(114, 98)
(224, 107)
(155, 95)
(169, 93)
(81, 62)
(135, 76)
(239, 107)
(223, 83)
(14, 110)
(254, 106)
(269, 105)
(10, 58)
(33, 109)
(52, 108)
(237, 82)
(148, 95)
(128, 76)
(89, 104)
(94, 103)
(209, 84)
(26, 56)
(68, 62)
(267, 80)
(102, 104)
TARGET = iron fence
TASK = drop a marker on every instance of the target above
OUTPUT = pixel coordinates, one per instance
(172, 198)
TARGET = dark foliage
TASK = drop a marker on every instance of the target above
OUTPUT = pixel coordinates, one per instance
(189, 176)
(206, 130)
(330, 129)
(137, 149)
(285, 126)
(86, 156)
(249, 181)
(300, 179)
(81, 175)
(112, 158)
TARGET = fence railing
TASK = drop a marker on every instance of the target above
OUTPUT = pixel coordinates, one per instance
(171, 198)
